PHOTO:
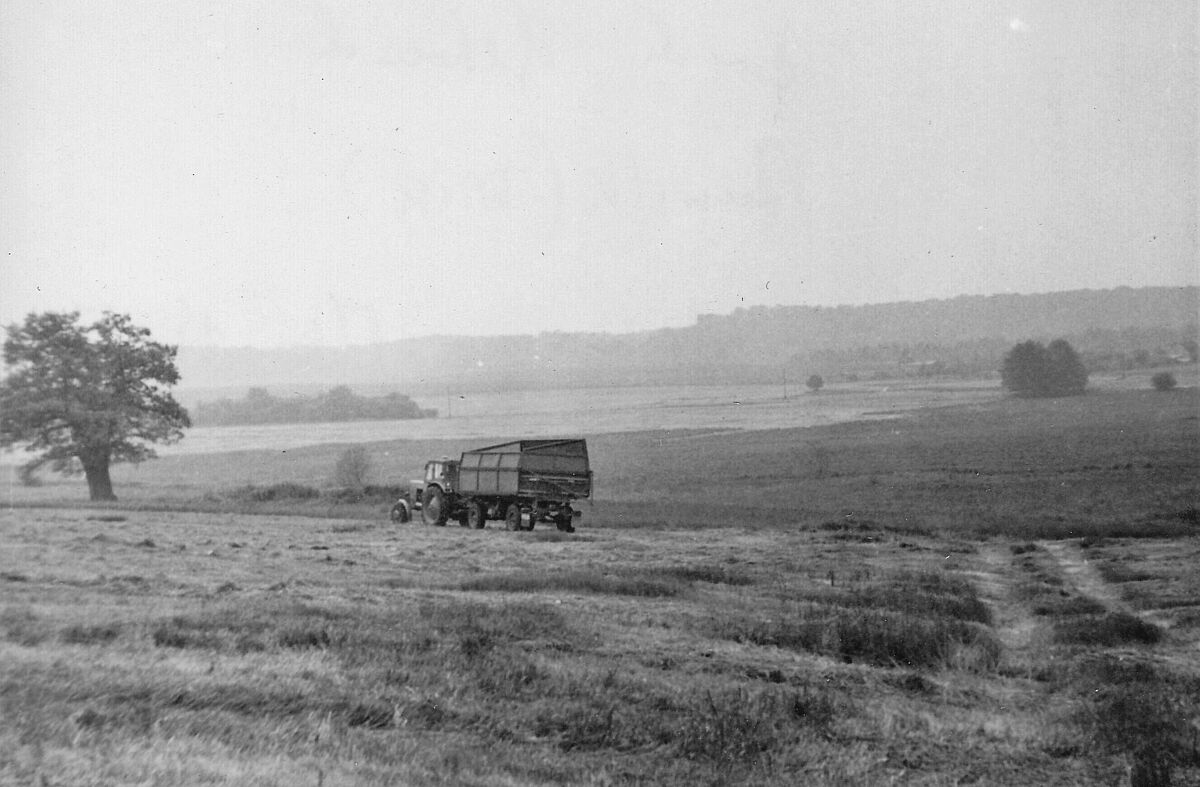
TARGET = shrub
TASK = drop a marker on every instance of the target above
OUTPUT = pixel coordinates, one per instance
(353, 468)
(1163, 381)
(284, 491)
(815, 382)
(1031, 369)
(372, 494)
(390, 493)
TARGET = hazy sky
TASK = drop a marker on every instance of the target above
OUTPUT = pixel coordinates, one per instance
(269, 173)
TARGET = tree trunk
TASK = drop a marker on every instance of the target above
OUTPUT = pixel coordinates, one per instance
(99, 482)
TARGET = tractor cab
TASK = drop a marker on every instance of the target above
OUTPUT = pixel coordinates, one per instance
(442, 473)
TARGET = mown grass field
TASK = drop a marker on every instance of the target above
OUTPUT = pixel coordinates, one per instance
(1001, 593)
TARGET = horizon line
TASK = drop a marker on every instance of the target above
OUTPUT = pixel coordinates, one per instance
(701, 316)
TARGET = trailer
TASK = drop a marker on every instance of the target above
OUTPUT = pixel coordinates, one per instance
(521, 482)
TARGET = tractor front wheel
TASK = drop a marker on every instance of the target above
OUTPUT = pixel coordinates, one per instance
(512, 517)
(400, 512)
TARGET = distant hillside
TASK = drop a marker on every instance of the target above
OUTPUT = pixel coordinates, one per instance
(964, 336)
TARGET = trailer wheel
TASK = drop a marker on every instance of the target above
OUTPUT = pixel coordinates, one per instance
(512, 517)
(433, 507)
(476, 514)
(400, 513)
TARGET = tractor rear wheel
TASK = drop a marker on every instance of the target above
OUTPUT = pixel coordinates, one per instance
(476, 514)
(433, 507)
(512, 517)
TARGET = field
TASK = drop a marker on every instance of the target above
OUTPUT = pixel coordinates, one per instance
(996, 591)
(604, 411)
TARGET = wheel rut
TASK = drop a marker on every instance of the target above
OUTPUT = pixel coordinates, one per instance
(1013, 621)
(1083, 576)
(1087, 580)
(999, 578)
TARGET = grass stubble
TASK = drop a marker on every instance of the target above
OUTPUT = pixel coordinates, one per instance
(921, 637)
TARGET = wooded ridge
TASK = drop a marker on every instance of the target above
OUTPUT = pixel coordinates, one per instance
(966, 336)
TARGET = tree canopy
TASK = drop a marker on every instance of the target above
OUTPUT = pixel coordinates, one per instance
(96, 394)
(1033, 369)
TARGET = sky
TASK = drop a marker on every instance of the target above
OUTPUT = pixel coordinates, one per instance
(277, 173)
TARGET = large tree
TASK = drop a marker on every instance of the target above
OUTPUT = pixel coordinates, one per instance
(1032, 369)
(95, 393)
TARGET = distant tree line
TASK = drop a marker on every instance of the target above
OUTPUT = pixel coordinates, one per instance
(1120, 350)
(338, 404)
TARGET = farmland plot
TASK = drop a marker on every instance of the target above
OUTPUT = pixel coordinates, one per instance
(1001, 593)
(178, 648)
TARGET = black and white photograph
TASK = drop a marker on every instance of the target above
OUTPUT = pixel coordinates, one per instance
(599, 393)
